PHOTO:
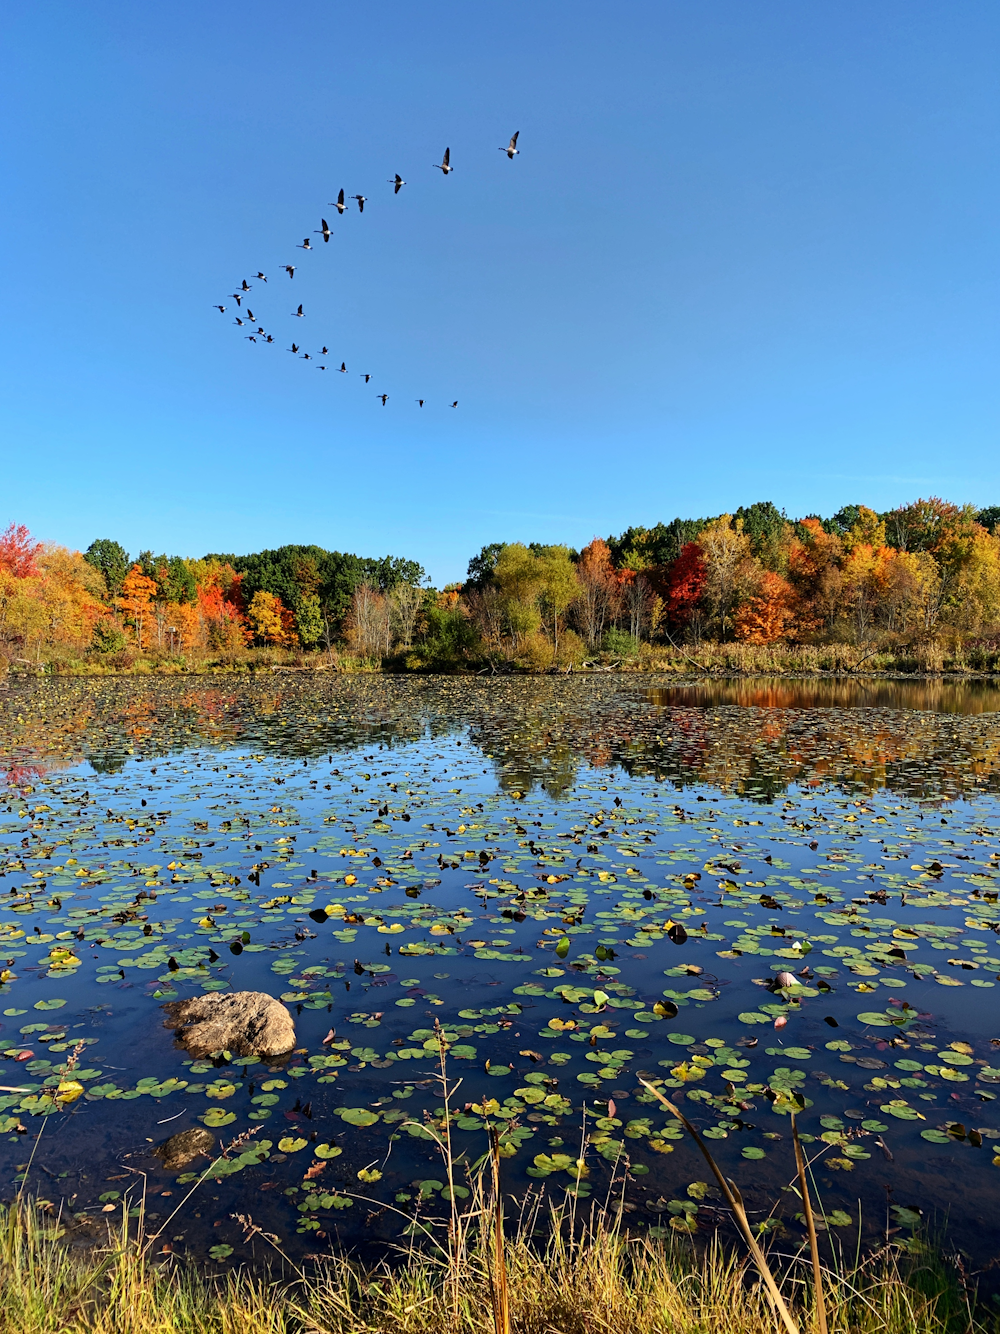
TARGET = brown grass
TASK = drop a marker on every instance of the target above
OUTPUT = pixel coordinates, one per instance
(599, 1279)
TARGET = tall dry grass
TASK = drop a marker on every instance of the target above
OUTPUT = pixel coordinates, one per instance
(598, 1280)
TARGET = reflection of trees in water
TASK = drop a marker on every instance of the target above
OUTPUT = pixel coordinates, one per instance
(760, 753)
(106, 721)
(962, 697)
(536, 731)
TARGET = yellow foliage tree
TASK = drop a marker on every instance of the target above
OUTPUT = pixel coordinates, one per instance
(270, 619)
(730, 567)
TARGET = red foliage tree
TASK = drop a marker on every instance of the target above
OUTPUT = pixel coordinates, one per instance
(18, 551)
(685, 584)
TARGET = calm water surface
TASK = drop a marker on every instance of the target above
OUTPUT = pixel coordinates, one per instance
(547, 869)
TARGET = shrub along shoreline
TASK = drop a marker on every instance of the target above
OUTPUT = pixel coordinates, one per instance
(694, 662)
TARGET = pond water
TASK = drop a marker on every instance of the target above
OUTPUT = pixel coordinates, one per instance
(583, 881)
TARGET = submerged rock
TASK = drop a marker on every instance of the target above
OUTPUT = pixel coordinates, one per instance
(245, 1023)
(184, 1147)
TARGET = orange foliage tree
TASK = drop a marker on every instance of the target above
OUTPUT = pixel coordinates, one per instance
(599, 595)
(136, 602)
(223, 621)
(764, 617)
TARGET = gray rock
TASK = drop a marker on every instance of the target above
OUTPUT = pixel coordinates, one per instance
(183, 1148)
(245, 1023)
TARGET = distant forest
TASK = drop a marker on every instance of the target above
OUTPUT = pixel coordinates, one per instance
(926, 572)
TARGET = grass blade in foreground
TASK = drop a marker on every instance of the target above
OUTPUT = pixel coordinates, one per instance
(800, 1164)
(735, 1202)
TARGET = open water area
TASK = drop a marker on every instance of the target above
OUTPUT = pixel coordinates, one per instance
(584, 881)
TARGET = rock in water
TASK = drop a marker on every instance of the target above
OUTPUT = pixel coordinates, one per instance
(245, 1023)
(181, 1149)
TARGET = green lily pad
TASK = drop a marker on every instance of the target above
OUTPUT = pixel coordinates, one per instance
(358, 1116)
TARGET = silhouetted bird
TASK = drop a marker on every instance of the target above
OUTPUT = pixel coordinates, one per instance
(245, 286)
(290, 270)
(343, 368)
(512, 147)
(294, 347)
(361, 202)
(445, 164)
(221, 308)
(261, 277)
(339, 205)
(238, 321)
(325, 230)
(398, 182)
(383, 397)
(306, 244)
(420, 401)
(367, 376)
(455, 404)
(298, 313)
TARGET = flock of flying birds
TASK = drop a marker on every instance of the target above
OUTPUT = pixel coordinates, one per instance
(245, 318)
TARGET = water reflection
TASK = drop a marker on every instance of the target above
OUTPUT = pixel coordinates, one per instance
(365, 849)
(926, 739)
(775, 692)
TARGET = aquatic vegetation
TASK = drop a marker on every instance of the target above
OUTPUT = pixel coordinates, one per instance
(582, 895)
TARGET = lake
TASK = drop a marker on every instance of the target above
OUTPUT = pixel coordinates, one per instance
(584, 881)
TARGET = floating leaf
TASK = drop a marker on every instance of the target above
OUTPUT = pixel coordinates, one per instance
(358, 1116)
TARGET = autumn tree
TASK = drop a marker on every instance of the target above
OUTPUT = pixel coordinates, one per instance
(18, 552)
(70, 592)
(729, 568)
(221, 614)
(764, 617)
(558, 589)
(814, 560)
(271, 621)
(686, 581)
(136, 602)
(597, 599)
(520, 581)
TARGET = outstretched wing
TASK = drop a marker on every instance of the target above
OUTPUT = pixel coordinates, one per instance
(513, 142)
(447, 157)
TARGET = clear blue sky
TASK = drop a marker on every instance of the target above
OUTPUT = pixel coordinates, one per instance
(748, 251)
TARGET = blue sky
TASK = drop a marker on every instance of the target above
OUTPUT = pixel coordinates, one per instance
(748, 251)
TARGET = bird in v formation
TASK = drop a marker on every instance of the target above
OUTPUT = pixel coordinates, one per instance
(397, 182)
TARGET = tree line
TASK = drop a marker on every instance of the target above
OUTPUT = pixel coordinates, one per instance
(925, 571)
